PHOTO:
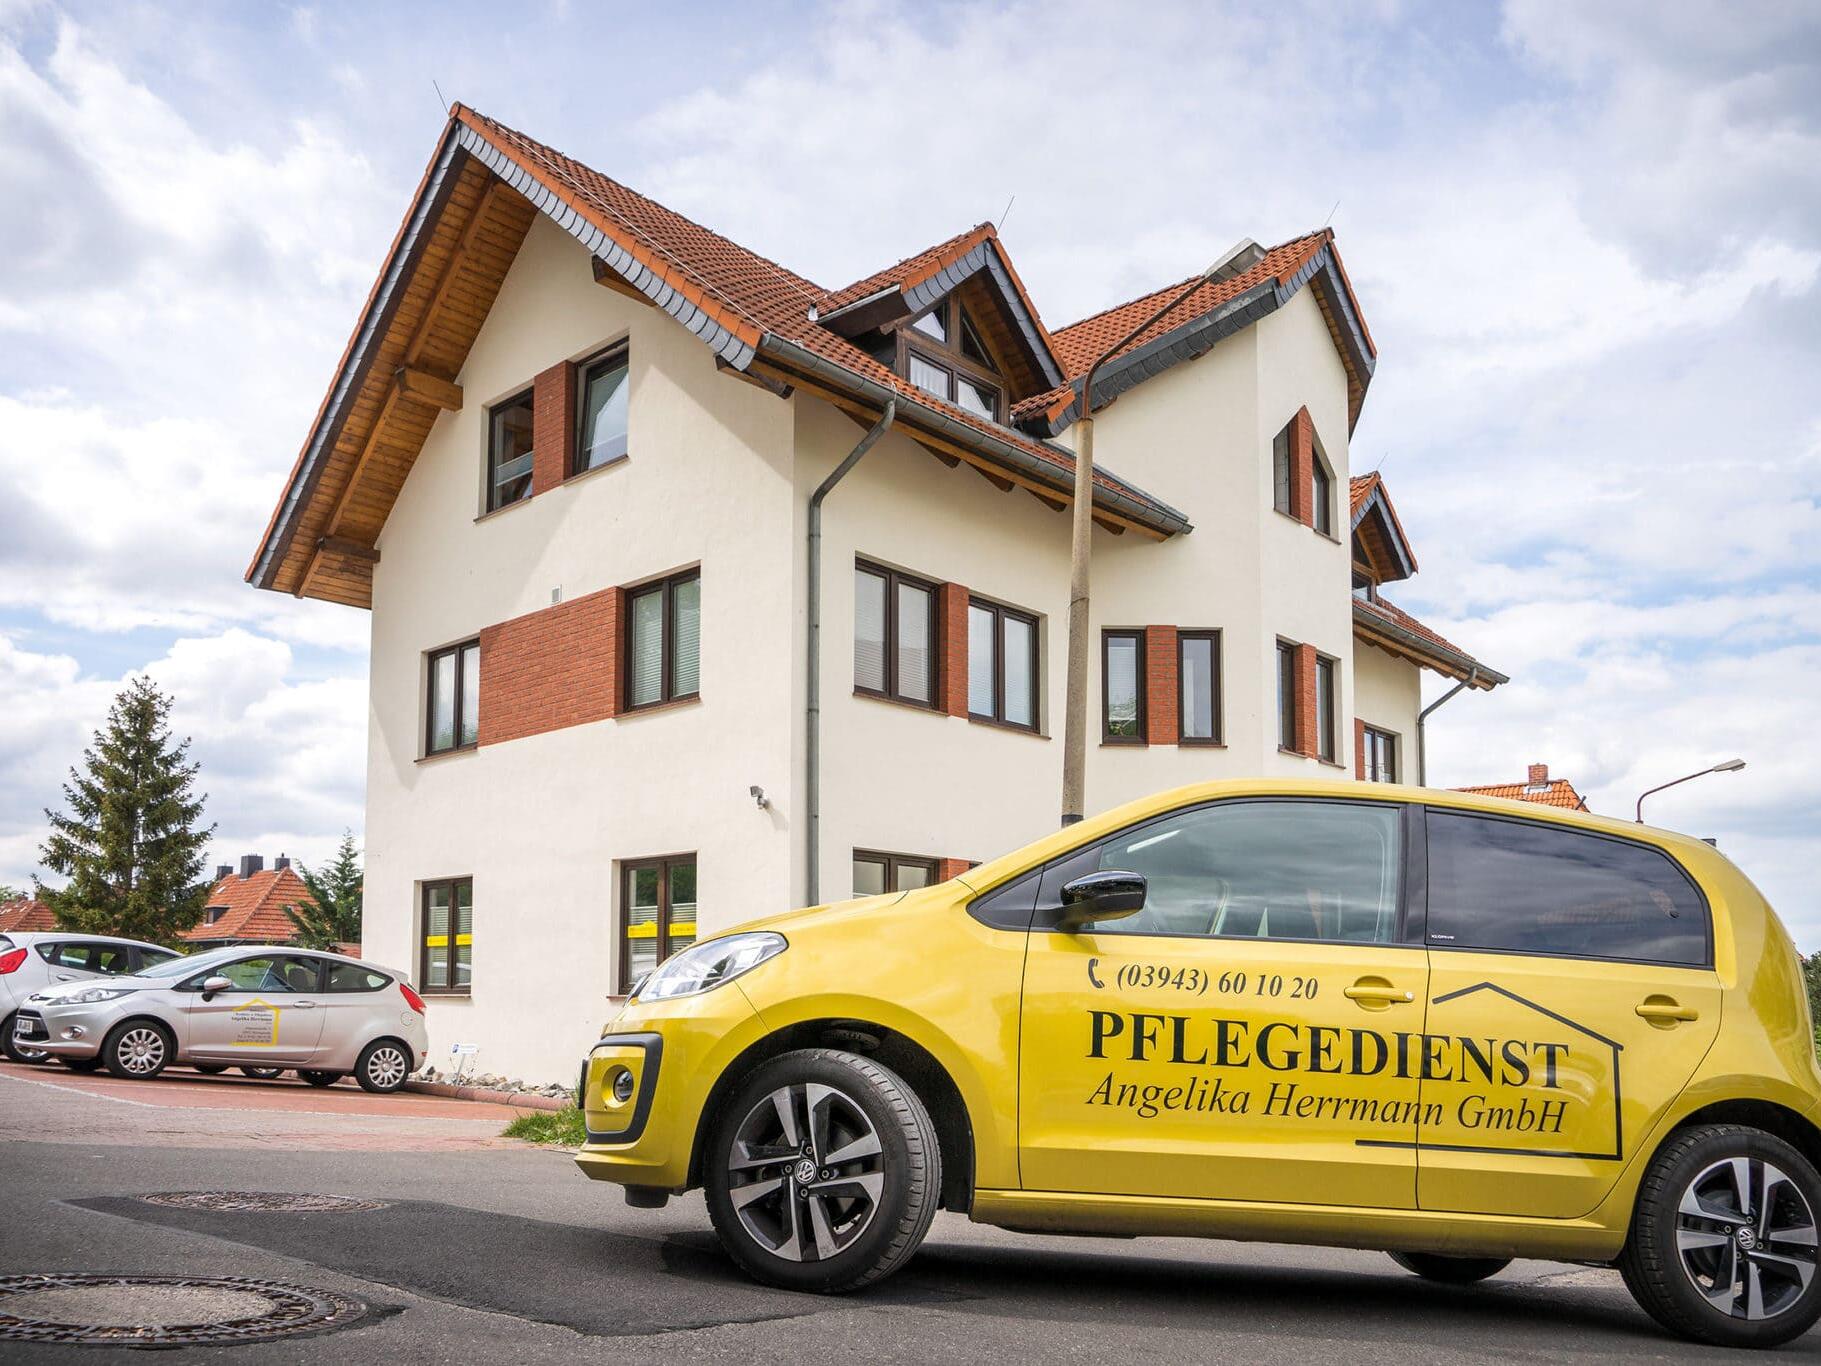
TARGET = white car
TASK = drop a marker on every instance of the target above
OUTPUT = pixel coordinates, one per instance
(30, 961)
(322, 1014)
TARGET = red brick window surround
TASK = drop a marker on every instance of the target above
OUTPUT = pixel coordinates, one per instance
(552, 668)
(552, 427)
(951, 629)
(1294, 485)
(1308, 702)
(1162, 720)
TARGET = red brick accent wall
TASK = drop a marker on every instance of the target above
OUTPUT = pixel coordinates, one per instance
(1302, 467)
(552, 426)
(951, 639)
(947, 868)
(1307, 738)
(1162, 716)
(553, 668)
(1359, 748)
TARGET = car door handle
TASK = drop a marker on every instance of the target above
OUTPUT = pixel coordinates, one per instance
(1664, 1010)
(303, 1005)
(1375, 991)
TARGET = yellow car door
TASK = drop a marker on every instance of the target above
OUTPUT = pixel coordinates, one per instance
(1572, 991)
(1246, 1035)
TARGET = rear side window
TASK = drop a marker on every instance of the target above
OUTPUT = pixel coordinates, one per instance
(353, 977)
(109, 958)
(151, 958)
(1528, 888)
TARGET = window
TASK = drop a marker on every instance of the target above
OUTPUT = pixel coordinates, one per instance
(353, 977)
(1525, 887)
(658, 915)
(1281, 473)
(1286, 695)
(894, 635)
(1324, 708)
(876, 873)
(213, 913)
(1380, 759)
(664, 640)
(1198, 686)
(603, 388)
(509, 451)
(454, 707)
(268, 976)
(1324, 496)
(1122, 697)
(1001, 665)
(950, 360)
(151, 958)
(447, 962)
(1270, 870)
(112, 959)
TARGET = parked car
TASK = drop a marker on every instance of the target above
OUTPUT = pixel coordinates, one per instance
(322, 1014)
(1455, 1028)
(33, 960)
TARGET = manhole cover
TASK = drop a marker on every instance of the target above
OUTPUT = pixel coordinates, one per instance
(261, 1202)
(164, 1311)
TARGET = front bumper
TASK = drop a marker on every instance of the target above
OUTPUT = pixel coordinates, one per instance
(674, 1051)
(67, 1031)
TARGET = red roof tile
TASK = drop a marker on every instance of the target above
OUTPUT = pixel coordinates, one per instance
(254, 908)
(911, 271)
(1448, 658)
(1555, 792)
(1359, 488)
(26, 915)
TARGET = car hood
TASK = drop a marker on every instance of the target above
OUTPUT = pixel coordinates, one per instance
(64, 990)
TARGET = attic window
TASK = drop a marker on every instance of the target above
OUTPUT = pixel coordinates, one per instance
(509, 451)
(971, 345)
(933, 323)
(215, 913)
(963, 375)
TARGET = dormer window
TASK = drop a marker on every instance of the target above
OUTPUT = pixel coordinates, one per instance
(943, 354)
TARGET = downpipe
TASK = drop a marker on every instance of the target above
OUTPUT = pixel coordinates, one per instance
(1422, 740)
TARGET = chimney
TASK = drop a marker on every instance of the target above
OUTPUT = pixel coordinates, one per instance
(280, 863)
(1539, 775)
(251, 864)
(223, 870)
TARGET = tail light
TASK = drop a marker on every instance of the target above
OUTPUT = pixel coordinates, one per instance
(412, 999)
(11, 959)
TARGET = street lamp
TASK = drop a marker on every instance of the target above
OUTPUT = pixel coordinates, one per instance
(1730, 766)
(1075, 708)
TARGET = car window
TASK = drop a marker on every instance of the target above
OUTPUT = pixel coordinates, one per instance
(149, 958)
(112, 959)
(353, 977)
(1265, 870)
(1530, 888)
(267, 975)
(109, 958)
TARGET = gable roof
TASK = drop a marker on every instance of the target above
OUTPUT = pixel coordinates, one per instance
(1218, 309)
(253, 908)
(478, 197)
(26, 914)
(1396, 632)
(1556, 792)
(1376, 530)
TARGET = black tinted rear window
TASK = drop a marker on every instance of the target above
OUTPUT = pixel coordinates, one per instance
(1532, 888)
(352, 977)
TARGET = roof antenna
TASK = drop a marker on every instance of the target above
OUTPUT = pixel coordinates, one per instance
(440, 99)
(1000, 225)
(1330, 218)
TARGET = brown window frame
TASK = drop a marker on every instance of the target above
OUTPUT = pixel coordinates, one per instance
(1217, 711)
(460, 651)
(623, 936)
(948, 356)
(448, 987)
(1327, 709)
(1321, 492)
(892, 863)
(620, 353)
(526, 396)
(1283, 471)
(1289, 734)
(667, 692)
(892, 692)
(1001, 614)
(1371, 740)
(1137, 636)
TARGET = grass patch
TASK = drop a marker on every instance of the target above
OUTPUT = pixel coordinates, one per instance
(562, 1127)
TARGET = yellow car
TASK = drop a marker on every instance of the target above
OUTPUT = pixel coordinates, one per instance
(1458, 1029)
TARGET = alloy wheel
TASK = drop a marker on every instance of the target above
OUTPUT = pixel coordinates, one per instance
(805, 1172)
(141, 1050)
(386, 1067)
(1746, 1236)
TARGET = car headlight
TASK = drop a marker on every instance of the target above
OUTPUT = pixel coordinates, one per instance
(705, 966)
(90, 995)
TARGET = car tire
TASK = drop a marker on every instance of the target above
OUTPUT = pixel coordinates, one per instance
(263, 1073)
(18, 1052)
(316, 1078)
(823, 1222)
(1713, 1203)
(210, 1069)
(1433, 1266)
(138, 1050)
(383, 1066)
(84, 1065)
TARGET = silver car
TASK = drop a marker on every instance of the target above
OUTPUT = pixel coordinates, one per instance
(32, 960)
(320, 1013)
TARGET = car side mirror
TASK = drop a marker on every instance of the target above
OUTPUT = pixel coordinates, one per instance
(211, 985)
(1101, 896)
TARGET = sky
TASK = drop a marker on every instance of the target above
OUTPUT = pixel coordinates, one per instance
(1587, 240)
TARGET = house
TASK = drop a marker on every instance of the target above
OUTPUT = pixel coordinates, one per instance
(700, 590)
(1537, 787)
(26, 914)
(247, 906)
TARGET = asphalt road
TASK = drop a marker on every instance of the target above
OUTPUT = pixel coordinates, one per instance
(488, 1250)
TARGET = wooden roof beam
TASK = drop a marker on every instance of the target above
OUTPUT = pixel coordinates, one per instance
(421, 384)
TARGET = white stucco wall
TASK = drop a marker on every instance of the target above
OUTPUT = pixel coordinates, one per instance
(1387, 694)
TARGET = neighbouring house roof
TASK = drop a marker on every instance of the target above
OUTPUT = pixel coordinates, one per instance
(1395, 631)
(27, 915)
(1216, 310)
(1540, 789)
(487, 183)
(1377, 534)
(253, 908)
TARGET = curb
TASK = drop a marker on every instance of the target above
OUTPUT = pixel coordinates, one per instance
(523, 1100)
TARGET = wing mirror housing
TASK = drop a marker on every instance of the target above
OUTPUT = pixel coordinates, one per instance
(1101, 896)
(211, 985)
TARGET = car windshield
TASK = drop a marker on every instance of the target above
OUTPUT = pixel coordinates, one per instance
(177, 967)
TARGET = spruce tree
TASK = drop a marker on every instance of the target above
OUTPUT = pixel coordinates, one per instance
(129, 844)
(335, 918)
